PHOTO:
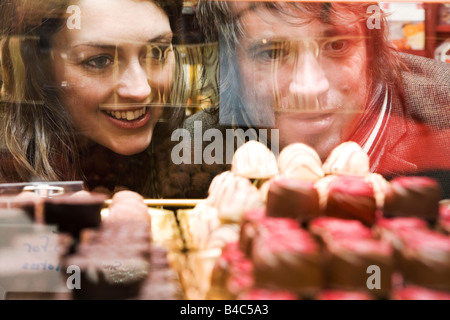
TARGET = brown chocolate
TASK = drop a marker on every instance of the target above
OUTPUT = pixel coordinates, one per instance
(413, 197)
(293, 199)
(351, 197)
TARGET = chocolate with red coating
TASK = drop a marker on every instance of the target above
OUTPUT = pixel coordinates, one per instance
(444, 216)
(413, 196)
(287, 259)
(251, 229)
(248, 228)
(328, 228)
(349, 260)
(412, 292)
(266, 294)
(391, 229)
(343, 295)
(294, 199)
(426, 258)
(351, 197)
(230, 255)
(240, 277)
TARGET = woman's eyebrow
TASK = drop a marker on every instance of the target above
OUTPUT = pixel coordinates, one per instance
(167, 37)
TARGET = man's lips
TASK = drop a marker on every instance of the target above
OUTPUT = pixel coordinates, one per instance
(306, 122)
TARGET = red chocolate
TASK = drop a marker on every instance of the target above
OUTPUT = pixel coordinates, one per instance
(425, 258)
(343, 295)
(265, 294)
(328, 228)
(419, 293)
(293, 199)
(444, 218)
(248, 230)
(240, 278)
(287, 259)
(349, 261)
(351, 197)
(390, 230)
(231, 254)
(414, 197)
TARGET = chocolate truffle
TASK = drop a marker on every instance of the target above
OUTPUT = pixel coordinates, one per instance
(293, 199)
(72, 214)
(266, 294)
(231, 255)
(248, 229)
(348, 262)
(444, 217)
(411, 292)
(348, 158)
(343, 295)
(253, 160)
(425, 258)
(287, 259)
(329, 228)
(232, 195)
(413, 196)
(351, 197)
(391, 230)
(300, 161)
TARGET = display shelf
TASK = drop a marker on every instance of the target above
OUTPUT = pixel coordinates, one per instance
(435, 33)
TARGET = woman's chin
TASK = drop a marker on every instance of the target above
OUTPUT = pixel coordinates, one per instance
(128, 150)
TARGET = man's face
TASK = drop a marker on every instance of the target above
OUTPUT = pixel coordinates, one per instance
(306, 77)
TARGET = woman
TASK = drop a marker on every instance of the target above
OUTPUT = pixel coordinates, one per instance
(85, 85)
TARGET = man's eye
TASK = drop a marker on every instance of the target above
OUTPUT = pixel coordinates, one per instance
(99, 62)
(336, 46)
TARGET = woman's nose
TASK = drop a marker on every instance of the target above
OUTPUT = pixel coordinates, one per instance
(308, 79)
(133, 82)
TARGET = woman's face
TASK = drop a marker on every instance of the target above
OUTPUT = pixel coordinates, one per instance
(115, 71)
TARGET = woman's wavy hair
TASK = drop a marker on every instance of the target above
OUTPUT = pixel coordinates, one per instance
(219, 24)
(37, 132)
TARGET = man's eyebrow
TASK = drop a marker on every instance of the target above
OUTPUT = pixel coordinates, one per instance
(333, 31)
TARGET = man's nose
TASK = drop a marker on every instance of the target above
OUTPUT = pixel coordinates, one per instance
(133, 82)
(308, 78)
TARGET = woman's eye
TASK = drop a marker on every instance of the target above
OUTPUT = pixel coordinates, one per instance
(99, 62)
(159, 52)
(275, 53)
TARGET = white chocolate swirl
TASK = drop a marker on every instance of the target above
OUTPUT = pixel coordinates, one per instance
(254, 160)
(347, 158)
(300, 161)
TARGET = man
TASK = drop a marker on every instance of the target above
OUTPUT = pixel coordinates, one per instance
(325, 73)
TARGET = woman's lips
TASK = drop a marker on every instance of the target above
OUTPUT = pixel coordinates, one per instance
(129, 119)
(306, 123)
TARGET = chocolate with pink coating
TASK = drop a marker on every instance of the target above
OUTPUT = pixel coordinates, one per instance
(413, 196)
(288, 259)
(293, 199)
(351, 197)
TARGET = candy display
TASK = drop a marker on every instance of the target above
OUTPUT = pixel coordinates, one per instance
(303, 230)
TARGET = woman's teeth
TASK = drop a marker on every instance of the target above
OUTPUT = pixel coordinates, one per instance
(127, 115)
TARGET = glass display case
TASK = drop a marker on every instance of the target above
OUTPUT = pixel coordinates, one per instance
(224, 150)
